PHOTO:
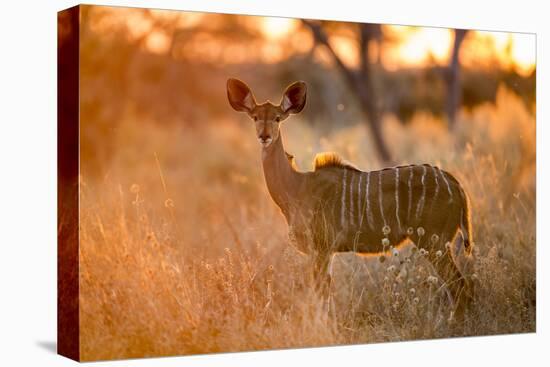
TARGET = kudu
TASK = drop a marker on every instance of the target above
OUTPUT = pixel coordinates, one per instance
(337, 208)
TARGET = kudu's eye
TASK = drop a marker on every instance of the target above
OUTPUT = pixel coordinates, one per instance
(278, 119)
(255, 118)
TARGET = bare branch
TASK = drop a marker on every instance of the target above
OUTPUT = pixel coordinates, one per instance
(320, 37)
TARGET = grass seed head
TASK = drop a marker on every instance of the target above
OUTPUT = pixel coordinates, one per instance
(134, 189)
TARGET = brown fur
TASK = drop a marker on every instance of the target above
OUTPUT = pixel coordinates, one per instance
(330, 159)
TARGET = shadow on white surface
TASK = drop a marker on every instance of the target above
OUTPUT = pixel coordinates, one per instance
(49, 345)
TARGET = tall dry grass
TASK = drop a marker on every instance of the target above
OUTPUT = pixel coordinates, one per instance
(183, 251)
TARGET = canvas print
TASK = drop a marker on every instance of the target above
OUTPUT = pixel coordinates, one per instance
(242, 183)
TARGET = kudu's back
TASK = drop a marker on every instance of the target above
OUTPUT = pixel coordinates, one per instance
(369, 211)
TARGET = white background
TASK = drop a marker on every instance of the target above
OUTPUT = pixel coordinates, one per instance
(28, 182)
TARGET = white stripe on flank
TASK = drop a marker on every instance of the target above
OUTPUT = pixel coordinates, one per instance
(369, 213)
(420, 205)
(447, 183)
(351, 214)
(380, 197)
(436, 188)
(343, 212)
(360, 208)
(410, 192)
(397, 198)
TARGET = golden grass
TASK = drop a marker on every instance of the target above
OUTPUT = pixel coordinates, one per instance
(183, 251)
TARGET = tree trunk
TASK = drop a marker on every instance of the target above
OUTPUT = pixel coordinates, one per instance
(453, 79)
(368, 98)
(360, 83)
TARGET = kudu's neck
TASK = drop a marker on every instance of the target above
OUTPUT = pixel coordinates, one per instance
(283, 181)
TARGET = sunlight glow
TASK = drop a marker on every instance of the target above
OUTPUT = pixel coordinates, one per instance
(416, 46)
(514, 51)
(158, 42)
(524, 52)
(276, 28)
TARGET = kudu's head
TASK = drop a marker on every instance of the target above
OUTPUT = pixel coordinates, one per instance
(267, 116)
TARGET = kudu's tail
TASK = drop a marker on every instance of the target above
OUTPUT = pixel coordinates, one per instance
(466, 223)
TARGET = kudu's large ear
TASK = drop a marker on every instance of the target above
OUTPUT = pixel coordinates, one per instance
(294, 98)
(240, 96)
